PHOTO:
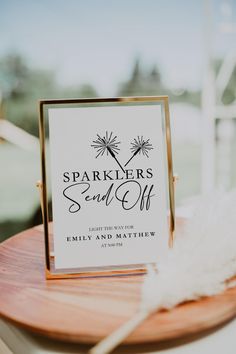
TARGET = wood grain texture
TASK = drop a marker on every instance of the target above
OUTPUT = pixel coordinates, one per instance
(86, 310)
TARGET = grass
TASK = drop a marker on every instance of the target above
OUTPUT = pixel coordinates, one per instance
(187, 164)
(19, 171)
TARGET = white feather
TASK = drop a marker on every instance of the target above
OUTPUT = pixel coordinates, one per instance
(203, 257)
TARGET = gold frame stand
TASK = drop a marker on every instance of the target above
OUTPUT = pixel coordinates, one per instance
(42, 186)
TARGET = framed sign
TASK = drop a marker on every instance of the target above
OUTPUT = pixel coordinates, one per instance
(108, 166)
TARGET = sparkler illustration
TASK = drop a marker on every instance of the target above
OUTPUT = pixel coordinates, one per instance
(140, 146)
(108, 144)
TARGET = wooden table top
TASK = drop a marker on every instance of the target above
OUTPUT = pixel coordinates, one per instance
(87, 309)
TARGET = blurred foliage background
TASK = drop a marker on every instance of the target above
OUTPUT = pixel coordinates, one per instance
(22, 86)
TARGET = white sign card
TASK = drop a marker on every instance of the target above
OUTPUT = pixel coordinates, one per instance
(108, 167)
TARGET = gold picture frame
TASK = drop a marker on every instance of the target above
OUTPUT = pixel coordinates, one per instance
(51, 273)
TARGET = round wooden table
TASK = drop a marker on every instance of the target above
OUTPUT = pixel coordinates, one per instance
(85, 310)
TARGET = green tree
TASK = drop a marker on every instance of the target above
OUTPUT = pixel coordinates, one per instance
(23, 86)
